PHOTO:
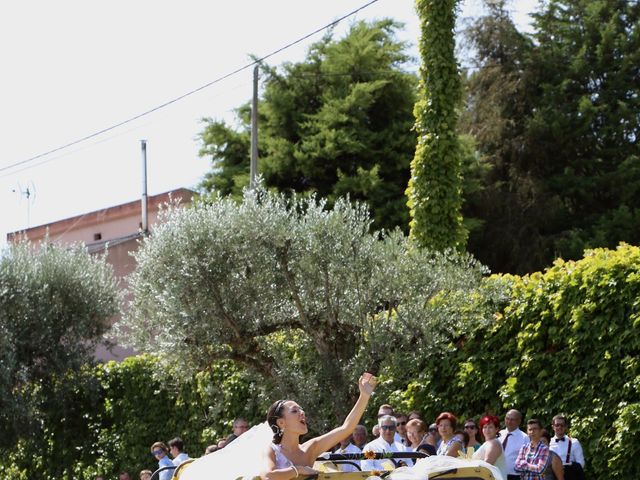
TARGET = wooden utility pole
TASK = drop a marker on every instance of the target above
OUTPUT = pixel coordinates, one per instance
(254, 131)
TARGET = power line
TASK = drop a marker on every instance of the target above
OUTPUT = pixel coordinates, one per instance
(90, 145)
(70, 152)
(185, 95)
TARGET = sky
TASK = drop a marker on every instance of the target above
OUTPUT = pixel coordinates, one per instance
(72, 68)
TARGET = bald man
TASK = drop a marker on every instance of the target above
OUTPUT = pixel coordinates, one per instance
(512, 439)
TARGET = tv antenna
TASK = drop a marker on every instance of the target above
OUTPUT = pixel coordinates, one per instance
(29, 193)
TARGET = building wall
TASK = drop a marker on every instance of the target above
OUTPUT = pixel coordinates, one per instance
(110, 223)
(119, 256)
(120, 234)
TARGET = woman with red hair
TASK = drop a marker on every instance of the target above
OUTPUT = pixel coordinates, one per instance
(451, 443)
(491, 450)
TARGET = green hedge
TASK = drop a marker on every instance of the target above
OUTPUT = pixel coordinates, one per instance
(114, 412)
(563, 341)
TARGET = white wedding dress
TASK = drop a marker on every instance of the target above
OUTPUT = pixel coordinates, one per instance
(243, 457)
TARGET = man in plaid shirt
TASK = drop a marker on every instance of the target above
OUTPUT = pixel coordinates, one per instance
(533, 457)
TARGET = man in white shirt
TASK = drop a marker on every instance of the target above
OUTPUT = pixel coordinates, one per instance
(176, 449)
(387, 409)
(360, 436)
(567, 448)
(512, 439)
(347, 446)
(385, 443)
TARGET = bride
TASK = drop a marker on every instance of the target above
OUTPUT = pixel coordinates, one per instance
(272, 449)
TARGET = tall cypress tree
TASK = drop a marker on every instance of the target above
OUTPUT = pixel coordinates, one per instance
(434, 191)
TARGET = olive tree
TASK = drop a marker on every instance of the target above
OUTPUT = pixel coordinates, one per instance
(55, 306)
(305, 296)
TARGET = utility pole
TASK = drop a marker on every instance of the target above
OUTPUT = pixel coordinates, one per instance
(254, 131)
(144, 203)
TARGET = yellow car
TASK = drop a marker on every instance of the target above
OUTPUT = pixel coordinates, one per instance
(431, 468)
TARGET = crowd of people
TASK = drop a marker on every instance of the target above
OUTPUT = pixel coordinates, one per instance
(518, 455)
(534, 455)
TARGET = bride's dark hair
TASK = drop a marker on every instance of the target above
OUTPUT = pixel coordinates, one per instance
(273, 414)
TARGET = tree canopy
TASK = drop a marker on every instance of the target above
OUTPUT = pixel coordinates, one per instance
(337, 123)
(55, 305)
(555, 116)
(303, 295)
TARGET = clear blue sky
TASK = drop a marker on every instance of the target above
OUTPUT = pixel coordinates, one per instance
(71, 68)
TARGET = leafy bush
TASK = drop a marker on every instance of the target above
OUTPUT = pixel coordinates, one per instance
(114, 412)
(577, 352)
(562, 341)
(55, 305)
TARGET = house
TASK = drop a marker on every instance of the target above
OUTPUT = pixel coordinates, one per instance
(116, 230)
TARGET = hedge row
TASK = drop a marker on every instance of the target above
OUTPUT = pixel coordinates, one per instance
(112, 414)
(563, 341)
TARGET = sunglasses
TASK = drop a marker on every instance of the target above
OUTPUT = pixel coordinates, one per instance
(388, 427)
(433, 430)
(401, 423)
(157, 452)
(470, 427)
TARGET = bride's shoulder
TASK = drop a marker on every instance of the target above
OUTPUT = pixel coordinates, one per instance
(270, 449)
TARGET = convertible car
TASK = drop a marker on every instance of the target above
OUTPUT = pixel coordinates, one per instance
(329, 467)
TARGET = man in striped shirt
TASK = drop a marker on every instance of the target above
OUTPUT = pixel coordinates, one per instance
(533, 457)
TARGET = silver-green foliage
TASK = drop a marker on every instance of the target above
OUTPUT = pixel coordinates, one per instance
(305, 296)
(55, 305)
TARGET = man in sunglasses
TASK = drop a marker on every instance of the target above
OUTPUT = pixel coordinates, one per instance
(387, 409)
(159, 450)
(401, 429)
(567, 448)
(384, 443)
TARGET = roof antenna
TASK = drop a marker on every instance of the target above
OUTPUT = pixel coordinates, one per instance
(28, 192)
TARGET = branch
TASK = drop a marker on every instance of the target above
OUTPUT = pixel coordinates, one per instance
(288, 275)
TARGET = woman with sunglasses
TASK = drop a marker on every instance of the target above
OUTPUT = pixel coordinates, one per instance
(491, 450)
(471, 428)
(285, 458)
(160, 450)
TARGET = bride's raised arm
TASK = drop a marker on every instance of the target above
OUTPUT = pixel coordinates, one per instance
(316, 446)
